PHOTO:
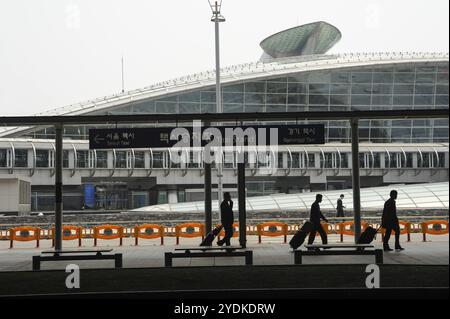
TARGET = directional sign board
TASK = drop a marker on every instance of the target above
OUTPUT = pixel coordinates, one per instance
(163, 137)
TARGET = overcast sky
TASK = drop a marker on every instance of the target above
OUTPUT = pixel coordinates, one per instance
(58, 52)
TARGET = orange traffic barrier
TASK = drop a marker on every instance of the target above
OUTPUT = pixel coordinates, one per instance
(348, 228)
(235, 231)
(405, 229)
(68, 233)
(24, 234)
(108, 232)
(434, 227)
(272, 229)
(189, 231)
(148, 231)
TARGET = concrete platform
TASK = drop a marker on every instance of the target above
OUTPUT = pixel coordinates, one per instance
(272, 251)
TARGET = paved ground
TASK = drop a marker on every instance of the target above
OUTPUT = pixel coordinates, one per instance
(272, 251)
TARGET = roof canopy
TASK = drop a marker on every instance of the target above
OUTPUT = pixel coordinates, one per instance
(417, 196)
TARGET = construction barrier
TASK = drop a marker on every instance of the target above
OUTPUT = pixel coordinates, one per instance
(108, 232)
(148, 231)
(27, 233)
(235, 231)
(348, 228)
(68, 233)
(190, 230)
(272, 229)
(405, 229)
(434, 227)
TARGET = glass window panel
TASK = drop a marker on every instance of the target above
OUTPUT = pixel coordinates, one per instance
(102, 159)
(338, 134)
(362, 77)
(233, 98)
(360, 99)
(208, 97)
(139, 159)
(421, 133)
(254, 108)
(276, 98)
(340, 77)
(276, 87)
(3, 159)
(82, 159)
(275, 108)
(297, 88)
(255, 87)
(233, 108)
(382, 100)
(121, 159)
(208, 108)
(296, 108)
(382, 89)
(190, 97)
(428, 69)
(21, 158)
(65, 159)
(442, 100)
(383, 77)
(404, 77)
(441, 89)
(425, 77)
(42, 157)
(339, 108)
(319, 77)
(340, 99)
(166, 107)
(406, 100)
(403, 89)
(340, 89)
(316, 88)
(440, 133)
(361, 88)
(254, 98)
(423, 100)
(424, 89)
(401, 134)
(190, 108)
(318, 100)
(319, 108)
(236, 88)
(442, 77)
(297, 99)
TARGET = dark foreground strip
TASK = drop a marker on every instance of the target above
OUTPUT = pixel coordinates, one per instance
(279, 293)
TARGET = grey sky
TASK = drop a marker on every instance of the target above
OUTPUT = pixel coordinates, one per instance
(58, 52)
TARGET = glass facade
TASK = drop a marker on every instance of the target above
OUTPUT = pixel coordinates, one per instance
(400, 86)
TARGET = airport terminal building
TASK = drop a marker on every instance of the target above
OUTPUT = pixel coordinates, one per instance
(295, 73)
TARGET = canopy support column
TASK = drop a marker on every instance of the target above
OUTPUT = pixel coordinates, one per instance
(355, 178)
(58, 186)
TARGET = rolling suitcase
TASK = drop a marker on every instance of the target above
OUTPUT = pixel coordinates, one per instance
(367, 236)
(300, 236)
(210, 237)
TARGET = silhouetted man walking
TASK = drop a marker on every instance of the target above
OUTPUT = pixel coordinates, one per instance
(227, 218)
(340, 206)
(316, 216)
(390, 223)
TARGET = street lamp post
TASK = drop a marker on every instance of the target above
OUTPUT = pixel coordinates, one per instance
(217, 18)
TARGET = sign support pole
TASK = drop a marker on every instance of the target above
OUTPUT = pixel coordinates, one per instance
(242, 202)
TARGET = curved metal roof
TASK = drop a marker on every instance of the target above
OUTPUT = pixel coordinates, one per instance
(236, 74)
(312, 38)
(417, 196)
